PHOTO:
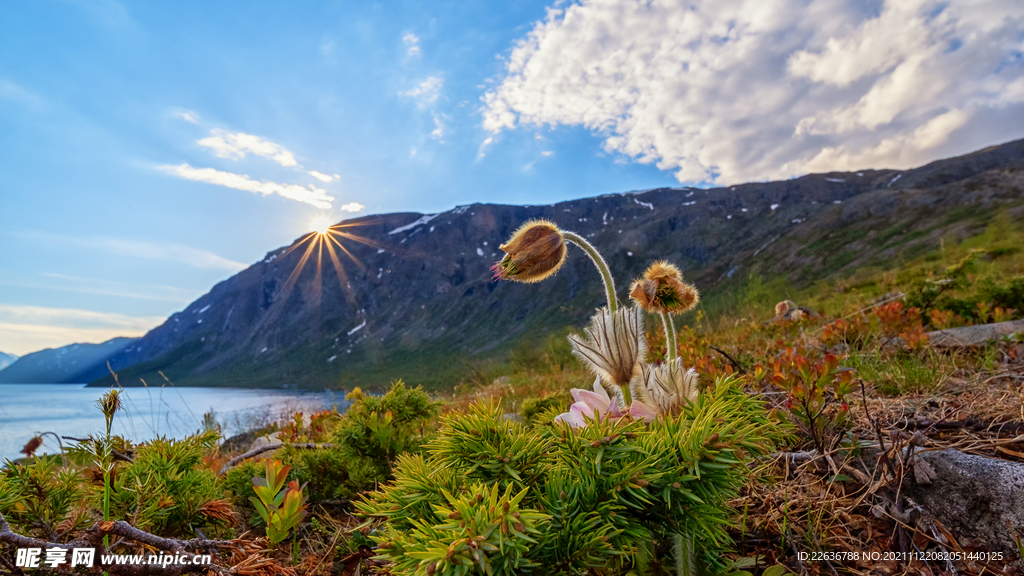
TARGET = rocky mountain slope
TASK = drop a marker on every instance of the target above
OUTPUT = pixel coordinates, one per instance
(417, 300)
(6, 360)
(72, 364)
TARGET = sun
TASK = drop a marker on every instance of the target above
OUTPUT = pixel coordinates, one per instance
(321, 225)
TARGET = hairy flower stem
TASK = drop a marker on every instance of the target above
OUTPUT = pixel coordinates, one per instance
(626, 397)
(670, 336)
(609, 285)
(602, 267)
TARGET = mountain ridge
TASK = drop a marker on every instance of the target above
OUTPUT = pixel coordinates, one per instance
(7, 359)
(423, 301)
(72, 364)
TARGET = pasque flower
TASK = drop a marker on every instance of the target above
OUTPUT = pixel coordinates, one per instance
(591, 404)
(662, 389)
(613, 346)
(661, 290)
(535, 252)
(31, 446)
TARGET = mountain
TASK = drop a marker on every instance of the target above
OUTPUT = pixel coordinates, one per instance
(72, 364)
(418, 302)
(6, 360)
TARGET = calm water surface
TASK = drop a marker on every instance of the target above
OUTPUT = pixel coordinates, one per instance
(70, 410)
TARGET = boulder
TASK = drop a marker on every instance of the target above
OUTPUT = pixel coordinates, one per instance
(975, 335)
(268, 440)
(977, 499)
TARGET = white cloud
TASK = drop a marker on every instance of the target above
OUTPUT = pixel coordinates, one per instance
(235, 145)
(412, 43)
(351, 207)
(312, 195)
(174, 252)
(546, 153)
(150, 250)
(426, 92)
(99, 286)
(321, 177)
(439, 129)
(25, 329)
(483, 146)
(736, 90)
(188, 116)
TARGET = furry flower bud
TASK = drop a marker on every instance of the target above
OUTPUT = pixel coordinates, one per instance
(535, 252)
(662, 389)
(662, 290)
(613, 346)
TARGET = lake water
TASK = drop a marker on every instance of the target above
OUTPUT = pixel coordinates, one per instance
(70, 410)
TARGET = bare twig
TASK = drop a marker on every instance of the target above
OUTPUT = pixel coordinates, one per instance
(969, 424)
(12, 569)
(93, 538)
(731, 360)
(257, 451)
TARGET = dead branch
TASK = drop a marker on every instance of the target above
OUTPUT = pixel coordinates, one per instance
(257, 451)
(739, 367)
(93, 538)
(968, 424)
(11, 568)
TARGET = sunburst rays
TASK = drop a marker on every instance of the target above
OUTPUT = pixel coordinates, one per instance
(326, 241)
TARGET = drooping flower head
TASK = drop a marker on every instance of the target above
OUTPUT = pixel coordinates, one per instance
(661, 290)
(535, 252)
(589, 405)
(31, 446)
(662, 389)
(613, 346)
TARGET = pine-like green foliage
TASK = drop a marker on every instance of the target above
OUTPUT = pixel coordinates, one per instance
(165, 486)
(376, 429)
(493, 496)
(329, 474)
(42, 498)
(535, 409)
(238, 483)
(367, 440)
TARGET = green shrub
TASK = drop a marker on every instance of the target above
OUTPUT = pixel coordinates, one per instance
(329, 474)
(492, 496)
(42, 498)
(535, 410)
(366, 440)
(237, 483)
(376, 429)
(165, 488)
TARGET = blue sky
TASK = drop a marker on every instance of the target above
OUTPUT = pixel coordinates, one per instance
(151, 149)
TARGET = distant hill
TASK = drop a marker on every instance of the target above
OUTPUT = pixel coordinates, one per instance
(6, 359)
(421, 302)
(73, 364)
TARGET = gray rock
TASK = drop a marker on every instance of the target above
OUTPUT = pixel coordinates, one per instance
(977, 499)
(975, 335)
(268, 440)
